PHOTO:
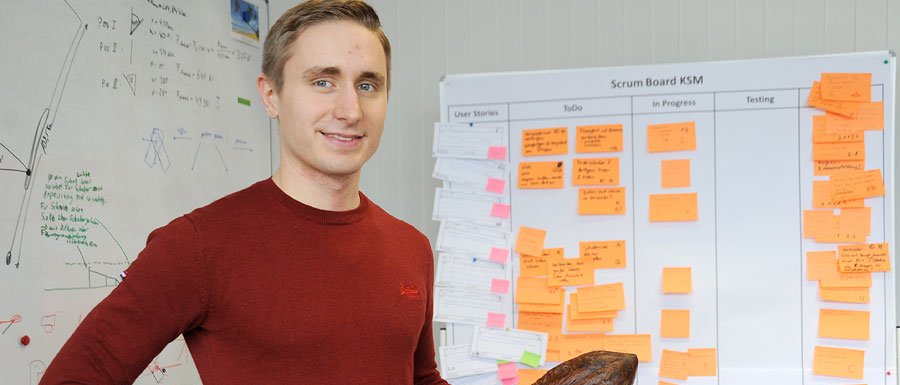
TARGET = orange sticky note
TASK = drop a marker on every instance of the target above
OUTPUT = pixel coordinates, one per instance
(702, 362)
(535, 290)
(834, 167)
(602, 297)
(532, 266)
(673, 364)
(847, 87)
(542, 307)
(574, 345)
(847, 129)
(673, 207)
(540, 322)
(819, 223)
(605, 254)
(530, 241)
(595, 171)
(821, 133)
(871, 116)
(848, 280)
(821, 265)
(601, 201)
(530, 376)
(574, 314)
(676, 173)
(637, 344)
(671, 137)
(594, 325)
(598, 138)
(545, 141)
(570, 272)
(838, 362)
(848, 109)
(862, 258)
(857, 185)
(822, 197)
(839, 151)
(676, 280)
(541, 175)
(844, 294)
(661, 382)
(675, 323)
(844, 324)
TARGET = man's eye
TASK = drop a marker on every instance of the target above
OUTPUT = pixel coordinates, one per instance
(322, 83)
(367, 87)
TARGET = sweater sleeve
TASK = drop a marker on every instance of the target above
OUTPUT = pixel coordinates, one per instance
(163, 295)
(426, 372)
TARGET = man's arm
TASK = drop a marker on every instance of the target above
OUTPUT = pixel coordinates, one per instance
(163, 295)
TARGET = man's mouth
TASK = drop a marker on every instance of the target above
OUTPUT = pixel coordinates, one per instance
(343, 138)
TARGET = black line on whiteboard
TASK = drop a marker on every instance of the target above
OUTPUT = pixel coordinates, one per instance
(800, 214)
(884, 238)
(14, 155)
(716, 231)
(633, 220)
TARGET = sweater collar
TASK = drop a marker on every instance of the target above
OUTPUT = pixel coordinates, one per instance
(313, 214)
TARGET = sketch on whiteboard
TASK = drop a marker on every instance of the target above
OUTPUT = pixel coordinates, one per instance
(160, 367)
(156, 154)
(36, 370)
(210, 140)
(12, 320)
(48, 322)
(41, 141)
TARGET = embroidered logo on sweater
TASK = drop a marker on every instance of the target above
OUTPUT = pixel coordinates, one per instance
(409, 291)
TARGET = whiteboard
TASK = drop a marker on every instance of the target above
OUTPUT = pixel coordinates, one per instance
(752, 171)
(115, 118)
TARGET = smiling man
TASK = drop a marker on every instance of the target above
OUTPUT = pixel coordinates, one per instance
(297, 279)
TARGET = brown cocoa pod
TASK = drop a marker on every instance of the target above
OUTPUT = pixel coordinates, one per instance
(594, 368)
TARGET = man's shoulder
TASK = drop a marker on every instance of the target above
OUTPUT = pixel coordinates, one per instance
(396, 226)
(240, 203)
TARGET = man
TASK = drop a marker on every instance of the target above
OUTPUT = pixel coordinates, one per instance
(298, 279)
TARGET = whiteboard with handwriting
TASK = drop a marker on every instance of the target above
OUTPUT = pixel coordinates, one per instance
(752, 173)
(115, 118)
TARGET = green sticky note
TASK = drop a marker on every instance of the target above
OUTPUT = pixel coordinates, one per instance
(243, 101)
(531, 359)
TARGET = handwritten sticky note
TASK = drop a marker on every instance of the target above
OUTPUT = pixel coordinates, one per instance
(530, 376)
(570, 272)
(537, 291)
(676, 280)
(540, 322)
(530, 241)
(494, 185)
(673, 207)
(839, 151)
(542, 307)
(675, 323)
(847, 87)
(702, 362)
(574, 314)
(848, 280)
(602, 297)
(821, 265)
(531, 359)
(500, 210)
(499, 286)
(531, 265)
(573, 345)
(674, 365)
(601, 201)
(857, 185)
(848, 109)
(541, 175)
(844, 294)
(507, 370)
(671, 137)
(676, 173)
(822, 197)
(604, 254)
(637, 344)
(834, 167)
(499, 255)
(545, 141)
(819, 223)
(838, 362)
(844, 128)
(871, 116)
(496, 320)
(593, 325)
(837, 134)
(595, 171)
(598, 138)
(844, 324)
(497, 152)
(862, 258)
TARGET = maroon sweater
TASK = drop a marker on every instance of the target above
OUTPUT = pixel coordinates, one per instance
(267, 290)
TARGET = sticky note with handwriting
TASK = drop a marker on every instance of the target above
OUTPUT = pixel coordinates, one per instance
(605, 254)
(601, 201)
(847, 87)
(838, 362)
(676, 173)
(545, 141)
(595, 171)
(844, 324)
(602, 297)
(570, 272)
(839, 151)
(530, 241)
(857, 185)
(598, 138)
(671, 137)
(848, 109)
(702, 362)
(674, 365)
(541, 175)
(863, 258)
(673, 207)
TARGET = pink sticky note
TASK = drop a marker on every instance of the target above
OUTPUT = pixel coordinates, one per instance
(496, 320)
(510, 381)
(499, 255)
(507, 371)
(497, 152)
(500, 210)
(496, 185)
(499, 286)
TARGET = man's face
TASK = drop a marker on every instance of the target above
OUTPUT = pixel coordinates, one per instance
(332, 105)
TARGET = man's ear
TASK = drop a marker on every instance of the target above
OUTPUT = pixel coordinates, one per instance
(268, 95)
